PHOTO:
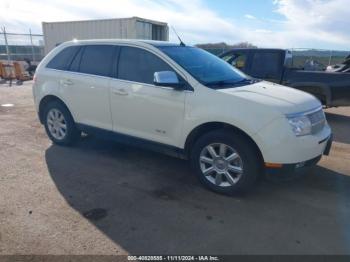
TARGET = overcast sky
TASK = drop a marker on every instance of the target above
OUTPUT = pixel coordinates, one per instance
(266, 23)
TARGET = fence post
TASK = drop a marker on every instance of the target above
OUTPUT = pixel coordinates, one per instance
(31, 42)
(330, 58)
(7, 46)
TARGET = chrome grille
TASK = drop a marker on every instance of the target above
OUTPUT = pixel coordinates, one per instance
(318, 121)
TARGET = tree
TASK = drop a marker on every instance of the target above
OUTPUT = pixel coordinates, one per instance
(225, 46)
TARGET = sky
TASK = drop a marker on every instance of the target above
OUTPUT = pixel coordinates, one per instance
(322, 24)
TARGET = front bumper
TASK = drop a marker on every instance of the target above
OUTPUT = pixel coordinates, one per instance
(283, 147)
(291, 168)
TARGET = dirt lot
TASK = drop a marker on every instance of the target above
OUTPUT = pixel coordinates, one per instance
(103, 198)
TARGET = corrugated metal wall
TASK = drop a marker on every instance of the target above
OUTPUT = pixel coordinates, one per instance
(143, 30)
(125, 28)
(151, 31)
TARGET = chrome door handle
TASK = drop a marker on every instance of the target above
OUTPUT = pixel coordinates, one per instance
(120, 92)
(67, 82)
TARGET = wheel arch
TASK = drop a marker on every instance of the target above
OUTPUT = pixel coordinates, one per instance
(319, 90)
(204, 128)
(45, 101)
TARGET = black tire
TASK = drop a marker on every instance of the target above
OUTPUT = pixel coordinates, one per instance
(72, 133)
(249, 158)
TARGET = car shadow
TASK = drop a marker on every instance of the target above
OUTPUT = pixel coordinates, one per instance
(340, 125)
(149, 203)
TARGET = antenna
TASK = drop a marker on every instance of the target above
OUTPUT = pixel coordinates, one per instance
(181, 43)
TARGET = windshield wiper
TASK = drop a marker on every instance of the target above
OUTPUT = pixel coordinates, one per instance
(223, 83)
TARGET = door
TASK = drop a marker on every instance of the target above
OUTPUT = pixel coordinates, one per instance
(87, 84)
(266, 65)
(141, 109)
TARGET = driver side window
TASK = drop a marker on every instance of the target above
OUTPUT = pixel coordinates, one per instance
(237, 60)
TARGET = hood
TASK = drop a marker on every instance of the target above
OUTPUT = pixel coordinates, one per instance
(285, 99)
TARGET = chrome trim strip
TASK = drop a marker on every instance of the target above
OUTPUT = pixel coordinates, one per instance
(114, 79)
(81, 74)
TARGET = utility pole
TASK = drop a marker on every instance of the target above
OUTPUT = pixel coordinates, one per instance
(7, 46)
(31, 42)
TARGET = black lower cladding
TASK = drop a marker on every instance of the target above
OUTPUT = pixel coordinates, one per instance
(133, 141)
(328, 146)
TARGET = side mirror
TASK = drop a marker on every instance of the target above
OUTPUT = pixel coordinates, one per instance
(167, 79)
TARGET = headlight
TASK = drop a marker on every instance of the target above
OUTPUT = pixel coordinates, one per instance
(301, 125)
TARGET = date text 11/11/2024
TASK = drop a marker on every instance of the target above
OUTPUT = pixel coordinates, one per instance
(173, 258)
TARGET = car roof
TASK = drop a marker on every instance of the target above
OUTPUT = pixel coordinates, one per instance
(125, 41)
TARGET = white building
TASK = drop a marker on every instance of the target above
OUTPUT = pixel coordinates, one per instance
(121, 28)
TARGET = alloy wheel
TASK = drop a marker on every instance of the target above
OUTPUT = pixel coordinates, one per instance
(56, 124)
(221, 164)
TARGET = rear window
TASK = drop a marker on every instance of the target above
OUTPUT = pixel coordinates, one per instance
(97, 60)
(63, 59)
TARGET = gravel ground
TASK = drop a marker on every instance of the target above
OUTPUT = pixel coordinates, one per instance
(103, 198)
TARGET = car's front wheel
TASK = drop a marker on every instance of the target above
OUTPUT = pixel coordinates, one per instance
(59, 124)
(226, 162)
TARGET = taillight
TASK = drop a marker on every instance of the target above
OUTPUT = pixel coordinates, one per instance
(34, 78)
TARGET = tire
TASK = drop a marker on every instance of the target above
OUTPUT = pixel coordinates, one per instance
(57, 116)
(240, 159)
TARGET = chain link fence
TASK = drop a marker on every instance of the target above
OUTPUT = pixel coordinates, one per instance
(21, 46)
(306, 58)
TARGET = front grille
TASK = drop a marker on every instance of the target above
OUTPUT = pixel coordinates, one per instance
(318, 121)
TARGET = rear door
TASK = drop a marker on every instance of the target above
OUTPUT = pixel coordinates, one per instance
(266, 65)
(87, 85)
(139, 108)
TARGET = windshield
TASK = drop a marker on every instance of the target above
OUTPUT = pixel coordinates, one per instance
(206, 68)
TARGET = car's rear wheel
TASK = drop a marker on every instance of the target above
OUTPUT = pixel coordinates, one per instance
(59, 124)
(226, 162)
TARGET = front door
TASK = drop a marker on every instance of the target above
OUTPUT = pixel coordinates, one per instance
(141, 109)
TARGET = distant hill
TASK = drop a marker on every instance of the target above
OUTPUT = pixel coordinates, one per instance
(218, 48)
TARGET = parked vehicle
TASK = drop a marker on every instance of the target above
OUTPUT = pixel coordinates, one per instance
(182, 101)
(343, 67)
(276, 65)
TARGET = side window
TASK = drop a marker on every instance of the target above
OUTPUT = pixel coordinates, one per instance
(97, 60)
(266, 65)
(139, 65)
(74, 66)
(228, 57)
(63, 59)
(239, 60)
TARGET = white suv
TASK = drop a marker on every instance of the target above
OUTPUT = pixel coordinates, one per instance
(182, 101)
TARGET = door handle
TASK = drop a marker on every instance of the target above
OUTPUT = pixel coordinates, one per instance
(120, 92)
(67, 82)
